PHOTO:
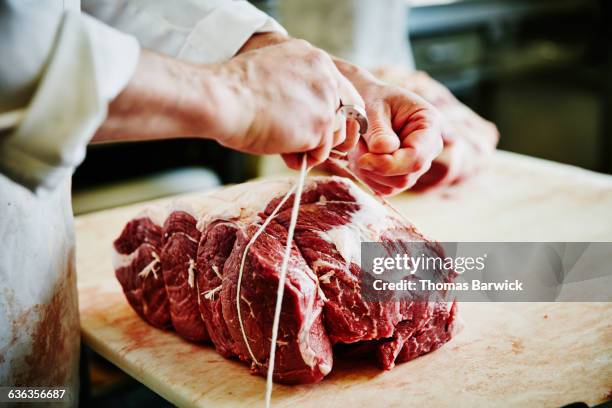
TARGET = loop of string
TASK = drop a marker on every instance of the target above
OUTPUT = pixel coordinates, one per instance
(286, 256)
(297, 188)
(283, 275)
(241, 270)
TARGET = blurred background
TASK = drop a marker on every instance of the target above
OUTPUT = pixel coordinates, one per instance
(540, 69)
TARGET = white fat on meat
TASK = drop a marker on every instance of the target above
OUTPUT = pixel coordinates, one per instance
(157, 214)
(309, 356)
(366, 225)
(122, 260)
(242, 202)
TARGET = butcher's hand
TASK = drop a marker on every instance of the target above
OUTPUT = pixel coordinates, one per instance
(468, 138)
(404, 137)
(277, 99)
(287, 95)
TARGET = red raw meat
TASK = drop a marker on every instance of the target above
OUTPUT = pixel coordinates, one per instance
(323, 304)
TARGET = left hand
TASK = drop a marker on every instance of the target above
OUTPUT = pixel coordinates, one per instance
(404, 137)
(468, 138)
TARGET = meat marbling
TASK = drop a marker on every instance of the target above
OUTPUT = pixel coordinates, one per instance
(202, 247)
(138, 269)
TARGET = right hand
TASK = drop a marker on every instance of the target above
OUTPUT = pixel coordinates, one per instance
(282, 99)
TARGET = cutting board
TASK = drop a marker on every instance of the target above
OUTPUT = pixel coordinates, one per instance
(538, 354)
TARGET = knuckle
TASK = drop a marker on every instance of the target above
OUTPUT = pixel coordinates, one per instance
(315, 55)
(494, 130)
(319, 57)
(325, 89)
(422, 76)
(320, 54)
(311, 143)
(323, 122)
(298, 42)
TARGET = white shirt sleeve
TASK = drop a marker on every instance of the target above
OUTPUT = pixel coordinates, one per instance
(64, 69)
(198, 31)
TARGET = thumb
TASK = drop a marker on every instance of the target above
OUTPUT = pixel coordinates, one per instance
(380, 137)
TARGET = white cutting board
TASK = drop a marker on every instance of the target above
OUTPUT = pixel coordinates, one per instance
(507, 354)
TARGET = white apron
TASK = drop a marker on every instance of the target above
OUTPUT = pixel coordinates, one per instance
(65, 67)
(39, 324)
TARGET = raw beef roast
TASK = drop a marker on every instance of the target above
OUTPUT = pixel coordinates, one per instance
(137, 266)
(198, 255)
(178, 262)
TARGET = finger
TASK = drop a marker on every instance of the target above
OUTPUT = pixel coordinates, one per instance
(293, 160)
(340, 132)
(426, 143)
(380, 136)
(421, 144)
(347, 92)
(436, 176)
(400, 182)
(321, 153)
(401, 162)
(352, 136)
(395, 164)
(377, 187)
(335, 166)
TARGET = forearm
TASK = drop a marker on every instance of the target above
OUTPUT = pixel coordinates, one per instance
(165, 98)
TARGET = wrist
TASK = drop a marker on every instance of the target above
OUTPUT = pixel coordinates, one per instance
(226, 105)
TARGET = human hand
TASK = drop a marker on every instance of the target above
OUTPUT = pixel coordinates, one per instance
(404, 136)
(468, 138)
(282, 98)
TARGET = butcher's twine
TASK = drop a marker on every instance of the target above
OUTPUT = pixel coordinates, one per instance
(283, 274)
(152, 267)
(241, 270)
(298, 188)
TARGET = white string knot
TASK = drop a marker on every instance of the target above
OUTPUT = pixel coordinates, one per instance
(152, 267)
